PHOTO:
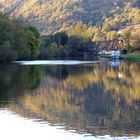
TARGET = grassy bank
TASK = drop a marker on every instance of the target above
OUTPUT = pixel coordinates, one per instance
(131, 56)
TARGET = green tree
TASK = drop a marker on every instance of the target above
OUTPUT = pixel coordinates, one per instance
(33, 30)
(61, 38)
(64, 38)
(23, 42)
(46, 41)
(33, 41)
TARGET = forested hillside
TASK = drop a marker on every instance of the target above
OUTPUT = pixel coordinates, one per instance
(52, 15)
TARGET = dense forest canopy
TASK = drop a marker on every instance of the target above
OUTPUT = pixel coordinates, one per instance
(52, 15)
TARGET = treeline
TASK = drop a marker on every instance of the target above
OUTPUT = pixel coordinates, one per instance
(65, 44)
(78, 38)
(23, 42)
(54, 45)
(16, 41)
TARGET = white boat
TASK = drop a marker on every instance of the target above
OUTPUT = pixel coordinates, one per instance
(115, 55)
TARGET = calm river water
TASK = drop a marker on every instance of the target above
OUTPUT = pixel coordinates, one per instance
(70, 100)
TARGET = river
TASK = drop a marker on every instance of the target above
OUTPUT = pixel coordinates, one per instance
(70, 100)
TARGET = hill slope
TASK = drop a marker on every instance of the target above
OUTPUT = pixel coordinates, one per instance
(50, 15)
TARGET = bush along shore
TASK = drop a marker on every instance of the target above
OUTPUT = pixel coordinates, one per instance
(131, 56)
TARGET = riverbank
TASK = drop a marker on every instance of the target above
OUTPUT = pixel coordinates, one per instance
(131, 56)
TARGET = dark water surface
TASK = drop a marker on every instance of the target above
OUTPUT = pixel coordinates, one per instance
(74, 101)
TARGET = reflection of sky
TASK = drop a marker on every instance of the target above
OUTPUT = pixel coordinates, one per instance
(55, 62)
(13, 127)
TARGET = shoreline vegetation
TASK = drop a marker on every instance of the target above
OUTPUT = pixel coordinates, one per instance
(129, 56)
(18, 42)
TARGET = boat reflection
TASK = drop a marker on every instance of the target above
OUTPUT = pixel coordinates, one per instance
(115, 63)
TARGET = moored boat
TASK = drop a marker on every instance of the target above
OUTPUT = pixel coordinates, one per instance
(115, 55)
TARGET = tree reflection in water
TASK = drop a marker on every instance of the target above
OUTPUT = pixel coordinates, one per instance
(97, 99)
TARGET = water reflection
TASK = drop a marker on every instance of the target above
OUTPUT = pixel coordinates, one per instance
(115, 63)
(95, 99)
(16, 80)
